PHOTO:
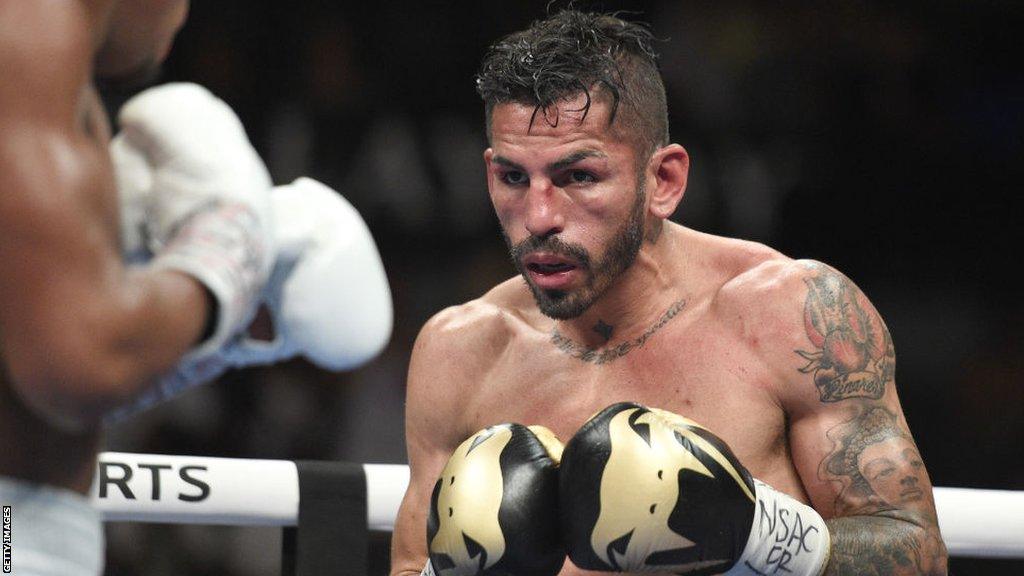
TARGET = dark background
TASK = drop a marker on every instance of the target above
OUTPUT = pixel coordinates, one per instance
(882, 138)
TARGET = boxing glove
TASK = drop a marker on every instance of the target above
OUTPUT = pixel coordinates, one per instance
(494, 509)
(648, 490)
(210, 217)
(327, 296)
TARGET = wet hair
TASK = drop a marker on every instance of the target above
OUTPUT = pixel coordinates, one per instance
(572, 53)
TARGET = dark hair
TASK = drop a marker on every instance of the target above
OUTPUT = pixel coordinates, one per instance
(574, 53)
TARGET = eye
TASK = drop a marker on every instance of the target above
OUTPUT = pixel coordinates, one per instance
(885, 472)
(582, 177)
(514, 178)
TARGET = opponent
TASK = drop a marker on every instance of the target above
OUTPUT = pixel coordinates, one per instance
(82, 334)
(747, 419)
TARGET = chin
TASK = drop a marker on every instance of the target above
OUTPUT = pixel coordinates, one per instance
(134, 78)
(559, 304)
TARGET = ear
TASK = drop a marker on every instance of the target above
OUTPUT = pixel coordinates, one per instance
(488, 155)
(671, 167)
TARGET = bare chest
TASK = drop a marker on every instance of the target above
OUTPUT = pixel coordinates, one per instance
(710, 379)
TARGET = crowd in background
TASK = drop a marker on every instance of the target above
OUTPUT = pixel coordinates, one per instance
(882, 138)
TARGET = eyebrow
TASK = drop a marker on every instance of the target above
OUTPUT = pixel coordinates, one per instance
(557, 165)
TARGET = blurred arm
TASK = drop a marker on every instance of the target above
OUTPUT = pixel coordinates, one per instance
(80, 333)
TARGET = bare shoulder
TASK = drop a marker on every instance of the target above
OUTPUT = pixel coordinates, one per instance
(473, 332)
(45, 51)
(459, 335)
(754, 278)
(805, 318)
(454, 350)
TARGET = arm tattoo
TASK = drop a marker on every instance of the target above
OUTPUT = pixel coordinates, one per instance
(876, 465)
(852, 354)
(878, 546)
(887, 523)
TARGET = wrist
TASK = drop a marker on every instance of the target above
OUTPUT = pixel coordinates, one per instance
(786, 536)
(226, 250)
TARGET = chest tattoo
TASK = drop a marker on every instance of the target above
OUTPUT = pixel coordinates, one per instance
(612, 352)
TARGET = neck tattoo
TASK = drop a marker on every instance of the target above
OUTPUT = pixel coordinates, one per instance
(604, 330)
(606, 354)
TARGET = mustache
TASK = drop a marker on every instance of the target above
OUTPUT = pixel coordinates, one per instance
(551, 244)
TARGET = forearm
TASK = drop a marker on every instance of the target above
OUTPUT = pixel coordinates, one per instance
(156, 317)
(104, 344)
(886, 544)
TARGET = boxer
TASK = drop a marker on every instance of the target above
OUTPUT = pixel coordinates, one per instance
(85, 336)
(713, 393)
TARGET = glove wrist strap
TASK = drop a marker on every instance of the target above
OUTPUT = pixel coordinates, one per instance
(787, 537)
(222, 247)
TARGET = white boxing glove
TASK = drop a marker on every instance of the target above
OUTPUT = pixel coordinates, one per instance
(206, 200)
(328, 295)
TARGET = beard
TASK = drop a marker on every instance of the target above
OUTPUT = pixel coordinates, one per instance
(618, 256)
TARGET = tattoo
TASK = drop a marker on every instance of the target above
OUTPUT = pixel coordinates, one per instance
(852, 355)
(608, 354)
(884, 493)
(875, 463)
(881, 546)
(604, 330)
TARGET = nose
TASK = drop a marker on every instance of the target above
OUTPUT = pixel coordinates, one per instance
(544, 210)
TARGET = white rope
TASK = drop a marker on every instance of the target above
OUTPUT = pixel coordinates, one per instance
(224, 491)
(243, 492)
(981, 523)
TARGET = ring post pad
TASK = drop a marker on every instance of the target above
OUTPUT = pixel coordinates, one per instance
(332, 536)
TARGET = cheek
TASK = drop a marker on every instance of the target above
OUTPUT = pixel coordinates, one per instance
(506, 211)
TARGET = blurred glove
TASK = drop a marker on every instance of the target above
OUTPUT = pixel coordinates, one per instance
(209, 216)
(327, 295)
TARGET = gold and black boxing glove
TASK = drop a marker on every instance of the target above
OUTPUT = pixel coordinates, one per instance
(646, 490)
(494, 510)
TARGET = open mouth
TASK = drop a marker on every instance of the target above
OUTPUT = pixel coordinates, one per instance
(549, 268)
(549, 271)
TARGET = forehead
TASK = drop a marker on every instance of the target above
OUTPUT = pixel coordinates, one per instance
(567, 124)
(891, 447)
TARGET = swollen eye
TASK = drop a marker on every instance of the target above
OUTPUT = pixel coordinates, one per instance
(580, 177)
(514, 178)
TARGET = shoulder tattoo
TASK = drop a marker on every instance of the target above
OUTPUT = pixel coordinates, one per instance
(850, 353)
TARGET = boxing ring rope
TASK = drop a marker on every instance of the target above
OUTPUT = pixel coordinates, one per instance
(242, 492)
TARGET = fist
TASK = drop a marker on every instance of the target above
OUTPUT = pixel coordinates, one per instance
(494, 508)
(643, 490)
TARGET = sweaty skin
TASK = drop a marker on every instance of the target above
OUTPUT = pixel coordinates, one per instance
(714, 329)
(79, 332)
